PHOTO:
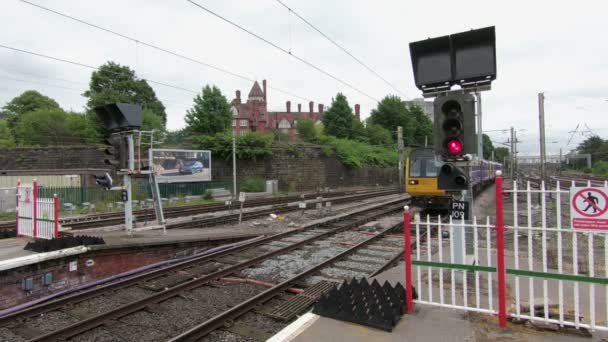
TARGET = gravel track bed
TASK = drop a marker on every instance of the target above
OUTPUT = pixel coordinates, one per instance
(357, 266)
(8, 336)
(365, 258)
(285, 266)
(338, 273)
(264, 323)
(98, 335)
(50, 321)
(225, 336)
(310, 281)
(177, 314)
(376, 253)
(101, 304)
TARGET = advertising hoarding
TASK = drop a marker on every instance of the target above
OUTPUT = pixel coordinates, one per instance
(176, 166)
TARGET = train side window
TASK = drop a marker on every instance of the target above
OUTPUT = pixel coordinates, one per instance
(431, 169)
(415, 168)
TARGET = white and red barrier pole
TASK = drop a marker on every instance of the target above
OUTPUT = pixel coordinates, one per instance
(407, 245)
(500, 252)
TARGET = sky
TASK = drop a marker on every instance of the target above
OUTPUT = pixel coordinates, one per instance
(556, 47)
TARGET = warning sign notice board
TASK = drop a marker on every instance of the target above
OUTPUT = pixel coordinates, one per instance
(589, 208)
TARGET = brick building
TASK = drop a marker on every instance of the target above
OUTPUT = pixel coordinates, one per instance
(253, 115)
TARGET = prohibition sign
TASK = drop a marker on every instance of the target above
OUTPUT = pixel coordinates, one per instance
(598, 211)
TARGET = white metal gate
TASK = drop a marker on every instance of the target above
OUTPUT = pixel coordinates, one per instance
(36, 217)
(526, 264)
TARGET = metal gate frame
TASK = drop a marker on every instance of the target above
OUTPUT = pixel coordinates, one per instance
(36, 217)
(500, 271)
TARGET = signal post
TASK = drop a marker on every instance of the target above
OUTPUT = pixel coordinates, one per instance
(467, 61)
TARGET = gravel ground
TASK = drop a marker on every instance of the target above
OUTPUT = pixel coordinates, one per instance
(8, 336)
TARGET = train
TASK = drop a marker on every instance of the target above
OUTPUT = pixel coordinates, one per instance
(421, 179)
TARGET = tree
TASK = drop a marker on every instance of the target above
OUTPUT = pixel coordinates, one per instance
(113, 82)
(488, 147)
(28, 101)
(500, 153)
(54, 127)
(596, 146)
(210, 113)
(338, 119)
(79, 127)
(391, 113)
(357, 131)
(6, 136)
(378, 135)
(306, 130)
(176, 138)
(423, 127)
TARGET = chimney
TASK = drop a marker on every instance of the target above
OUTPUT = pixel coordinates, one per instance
(299, 107)
(264, 89)
(320, 108)
(311, 106)
(288, 106)
(238, 97)
(358, 112)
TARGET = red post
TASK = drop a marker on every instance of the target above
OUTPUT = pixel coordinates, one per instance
(17, 208)
(500, 252)
(407, 225)
(35, 204)
(56, 215)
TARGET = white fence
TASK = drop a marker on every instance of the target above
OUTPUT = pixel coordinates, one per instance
(527, 264)
(36, 217)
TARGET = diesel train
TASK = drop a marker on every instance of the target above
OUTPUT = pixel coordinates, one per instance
(421, 179)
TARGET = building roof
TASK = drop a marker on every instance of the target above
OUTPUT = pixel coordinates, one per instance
(256, 91)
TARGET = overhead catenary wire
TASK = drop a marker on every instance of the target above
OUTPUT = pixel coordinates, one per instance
(57, 59)
(302, 60)
(338, 46)
(159, 48)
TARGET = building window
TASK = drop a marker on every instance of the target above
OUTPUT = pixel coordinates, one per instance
(284, 124)
(47, 279)
(242, 133)
(233, 123)
(27, 284)
(243, 123)
(295, 123)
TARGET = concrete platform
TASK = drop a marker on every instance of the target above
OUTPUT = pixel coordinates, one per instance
(427, 323)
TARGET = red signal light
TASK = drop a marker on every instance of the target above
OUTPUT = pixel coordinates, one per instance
(455, 146)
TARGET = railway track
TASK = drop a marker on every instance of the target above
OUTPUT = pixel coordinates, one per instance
(108, 219)
(198, 276)
(207, 221)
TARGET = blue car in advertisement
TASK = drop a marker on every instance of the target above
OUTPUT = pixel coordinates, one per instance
(191, 167)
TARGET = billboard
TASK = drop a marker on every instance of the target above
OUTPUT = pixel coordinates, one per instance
(175, 166)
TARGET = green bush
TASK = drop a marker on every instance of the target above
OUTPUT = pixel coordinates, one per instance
(208, 195)
(357, 154)
(252, 145)
(254, 184)
(600, 168)
(587, 170)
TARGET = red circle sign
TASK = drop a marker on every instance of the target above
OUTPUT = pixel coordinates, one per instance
(600, 211)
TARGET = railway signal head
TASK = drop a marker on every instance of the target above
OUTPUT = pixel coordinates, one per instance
(452, 178)
(454, 120)
(115, 153)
